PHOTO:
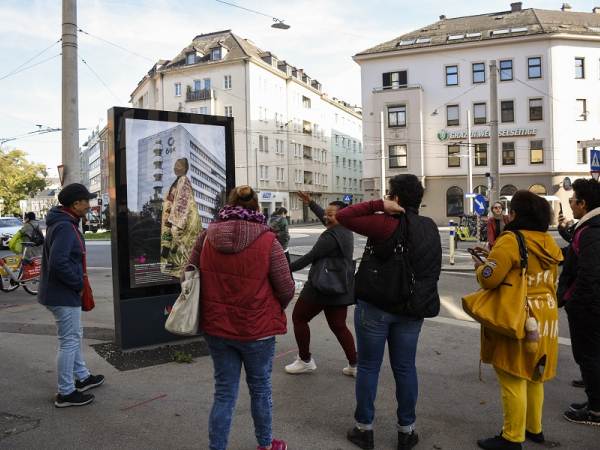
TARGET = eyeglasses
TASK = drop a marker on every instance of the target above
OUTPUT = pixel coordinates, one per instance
(497, 207)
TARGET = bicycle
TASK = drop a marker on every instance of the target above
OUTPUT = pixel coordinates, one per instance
(466, 229)
(18, 270)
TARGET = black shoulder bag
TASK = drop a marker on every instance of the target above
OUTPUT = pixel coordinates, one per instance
(385, 277)
(334, 276)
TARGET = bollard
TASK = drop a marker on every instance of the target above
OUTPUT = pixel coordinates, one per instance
(478, 229)
(452, 242)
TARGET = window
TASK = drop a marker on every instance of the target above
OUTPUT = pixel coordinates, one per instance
(278, 146)
(215, 54)
(508, 153)
(263, 143)
(280, 176)
(227, 82)
(306, 102)
(228, 111)
(579, 68)
(535, 109)
(538, 189)
(393, 80)
(191, 58)
(453, 156)
(296, 148)
(397, 157)
(177, 89)
(344, 182)
(145, 98)
(581, 154)
(451, 75)
(507, 109)
(206, 83)
(481, 190)
(536, 152)
(580, 109)
(534, 67)
(507, 190)
(203, 110)
(452, 116)
(479, 113)
(478, 73)
(480, 154)
(337, 181)
(454, 201)
(397, 116)
(506, 70)
(278, 119)
(343, 162)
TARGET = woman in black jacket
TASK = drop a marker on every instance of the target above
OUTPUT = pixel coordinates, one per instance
(311, 301)
(579, 291)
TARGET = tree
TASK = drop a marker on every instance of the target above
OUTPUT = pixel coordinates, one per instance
(21, 179)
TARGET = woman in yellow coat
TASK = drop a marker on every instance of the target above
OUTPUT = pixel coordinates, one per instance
(522, 366)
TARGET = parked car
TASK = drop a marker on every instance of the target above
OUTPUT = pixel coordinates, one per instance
(92, 223)
(8, 227)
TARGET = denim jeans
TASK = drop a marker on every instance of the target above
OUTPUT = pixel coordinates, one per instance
(228, 356)
(69, 362)
(373, 328)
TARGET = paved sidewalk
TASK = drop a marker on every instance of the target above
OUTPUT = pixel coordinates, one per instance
(167, 406)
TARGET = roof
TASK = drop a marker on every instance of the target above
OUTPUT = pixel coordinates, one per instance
(493, 26)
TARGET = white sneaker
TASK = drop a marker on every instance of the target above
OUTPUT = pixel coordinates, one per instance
(299, 366)
(298, 284)
(350, 371)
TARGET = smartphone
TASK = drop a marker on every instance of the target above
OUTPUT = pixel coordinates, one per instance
(560, 207)
(474, 253)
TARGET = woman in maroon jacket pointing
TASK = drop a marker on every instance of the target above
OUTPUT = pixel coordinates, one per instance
(246, 284)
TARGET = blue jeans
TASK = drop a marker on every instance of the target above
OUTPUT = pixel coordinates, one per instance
(373, 328)
(69, 362)
(228, 356)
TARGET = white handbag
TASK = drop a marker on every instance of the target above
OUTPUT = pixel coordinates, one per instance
(184, 318)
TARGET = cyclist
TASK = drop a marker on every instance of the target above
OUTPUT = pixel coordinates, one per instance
(28, 232)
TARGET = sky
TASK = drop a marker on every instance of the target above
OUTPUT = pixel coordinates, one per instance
(120, 40)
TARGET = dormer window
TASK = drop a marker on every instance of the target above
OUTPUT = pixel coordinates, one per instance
(191, 58)
(215, 54)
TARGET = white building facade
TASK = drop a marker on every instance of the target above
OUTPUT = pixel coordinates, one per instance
(425, 82)
(285, 126)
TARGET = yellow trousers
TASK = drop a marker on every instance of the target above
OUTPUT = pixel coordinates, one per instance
(522, 402)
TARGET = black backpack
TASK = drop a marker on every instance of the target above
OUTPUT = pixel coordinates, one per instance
(38, 237)
(385, 277)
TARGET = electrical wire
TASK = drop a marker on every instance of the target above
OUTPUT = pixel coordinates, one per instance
(29, 67)
(89, 67)
(15, 70)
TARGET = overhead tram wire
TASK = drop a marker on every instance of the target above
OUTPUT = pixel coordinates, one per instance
(29, 67)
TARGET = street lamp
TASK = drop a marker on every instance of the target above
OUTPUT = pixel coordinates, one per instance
(279, 24)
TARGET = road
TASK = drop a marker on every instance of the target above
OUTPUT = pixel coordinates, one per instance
(452, 286)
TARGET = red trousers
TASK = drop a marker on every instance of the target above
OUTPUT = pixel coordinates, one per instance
(336, 319)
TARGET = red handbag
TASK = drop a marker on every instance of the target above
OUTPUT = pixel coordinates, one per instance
(87, 298)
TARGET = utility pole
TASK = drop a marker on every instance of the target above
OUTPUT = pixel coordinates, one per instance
(70, 102)
(494, 193)
(382, 158)
(469, 164)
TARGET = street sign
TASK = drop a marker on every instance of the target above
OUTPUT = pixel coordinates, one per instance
(595, 174)
(347, 198)
(479, 204)
(470, 195)
(595, 160)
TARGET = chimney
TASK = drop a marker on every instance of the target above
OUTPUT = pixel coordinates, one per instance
(516, 7)
(596, 10)
(565, 7)
(442, 17)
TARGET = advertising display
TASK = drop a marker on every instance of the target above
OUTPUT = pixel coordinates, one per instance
(170, 173)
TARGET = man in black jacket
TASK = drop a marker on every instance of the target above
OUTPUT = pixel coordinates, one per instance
(579, 291)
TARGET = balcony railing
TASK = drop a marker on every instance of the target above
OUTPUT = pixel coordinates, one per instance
(202, 94)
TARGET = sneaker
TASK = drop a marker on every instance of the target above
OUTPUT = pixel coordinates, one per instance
(90, 382)
(350, 371)
(498, 443)
(406, 441)
(362, 438)
(298, 284)
(300, 366)
(75, 398)
(578, 406)
(275, 445)
(535, 437)
(583, 416)
(578, 383)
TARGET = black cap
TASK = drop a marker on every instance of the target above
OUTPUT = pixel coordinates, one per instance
(73, 192)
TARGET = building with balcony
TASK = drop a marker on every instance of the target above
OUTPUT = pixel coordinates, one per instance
(424, 82)
(284, 122)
